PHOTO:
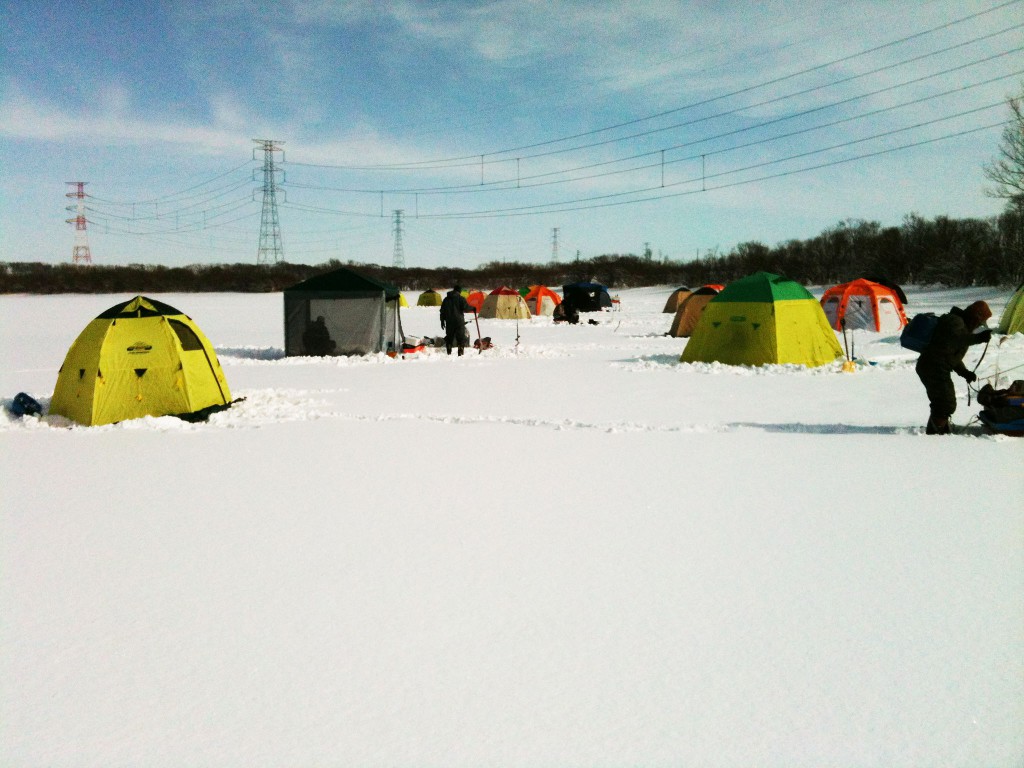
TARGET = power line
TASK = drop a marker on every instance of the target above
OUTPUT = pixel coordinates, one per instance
(190, 218)
(196, 212)
(510, 213)
(198, 226)
(186, 210)
(519, 182)
(806, 91)
(757, 33)
(747, 145)
(172, 195)
(446, 162)
(552, 207)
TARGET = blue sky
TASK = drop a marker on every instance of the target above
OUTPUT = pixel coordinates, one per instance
(684, 127)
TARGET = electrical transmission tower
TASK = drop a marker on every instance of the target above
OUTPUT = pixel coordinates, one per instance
(399, 257)
(271, 249)
(554, 243)
(80, 254)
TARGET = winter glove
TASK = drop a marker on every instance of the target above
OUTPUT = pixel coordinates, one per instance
(970, 377)
(983, 337)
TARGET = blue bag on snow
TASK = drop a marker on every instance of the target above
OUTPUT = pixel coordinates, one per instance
(23, 405)
(918, 332)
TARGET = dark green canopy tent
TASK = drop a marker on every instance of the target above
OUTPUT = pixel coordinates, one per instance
(341, 313)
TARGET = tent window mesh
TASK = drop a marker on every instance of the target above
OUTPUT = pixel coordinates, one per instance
(189, 341)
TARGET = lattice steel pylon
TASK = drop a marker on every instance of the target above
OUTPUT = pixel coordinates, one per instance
(271, 249)
(80, 254)
(398, 259)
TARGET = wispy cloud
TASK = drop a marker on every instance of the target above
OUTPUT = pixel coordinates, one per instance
(113, 122)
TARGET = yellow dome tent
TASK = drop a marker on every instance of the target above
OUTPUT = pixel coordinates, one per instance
(429, 298)
(1012, 320)
(763, 319)
(139, 358)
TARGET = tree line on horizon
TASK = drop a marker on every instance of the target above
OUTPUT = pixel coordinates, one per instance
(942, 251)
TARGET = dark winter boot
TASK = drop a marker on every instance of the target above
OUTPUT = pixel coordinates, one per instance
(937, 425)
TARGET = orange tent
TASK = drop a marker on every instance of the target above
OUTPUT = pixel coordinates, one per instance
(677, 297)
(476, 299)
(865, 305)
(542, 300)
(690, 310)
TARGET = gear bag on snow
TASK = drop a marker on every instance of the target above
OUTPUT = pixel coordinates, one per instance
(1003, 408)
(918, 332)
(23, 405)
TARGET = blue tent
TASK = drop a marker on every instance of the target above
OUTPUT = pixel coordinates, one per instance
(587, 297)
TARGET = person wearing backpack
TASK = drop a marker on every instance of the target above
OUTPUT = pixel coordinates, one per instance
(944, 354)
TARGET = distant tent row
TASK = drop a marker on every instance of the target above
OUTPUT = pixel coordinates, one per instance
(763, 319)
(145, 358)
(537, 300)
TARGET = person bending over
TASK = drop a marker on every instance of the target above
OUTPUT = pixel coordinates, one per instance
(954, 333)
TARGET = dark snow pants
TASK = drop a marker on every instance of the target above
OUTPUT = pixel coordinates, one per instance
(455, 333)
(938, 384)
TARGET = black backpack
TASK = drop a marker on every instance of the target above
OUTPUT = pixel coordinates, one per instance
(918, 331)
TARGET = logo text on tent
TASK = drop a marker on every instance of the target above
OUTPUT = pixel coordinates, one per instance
(139, 348)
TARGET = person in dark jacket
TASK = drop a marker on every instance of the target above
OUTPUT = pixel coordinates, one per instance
(316, 339)
(453, 307)
(566, 312)
(953, 334)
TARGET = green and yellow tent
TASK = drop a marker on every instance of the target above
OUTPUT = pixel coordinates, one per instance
(763, 319)
(1012, 320)
(429, 298)
(139, 358)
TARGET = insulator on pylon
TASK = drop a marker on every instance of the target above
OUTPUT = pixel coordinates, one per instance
(80, 253)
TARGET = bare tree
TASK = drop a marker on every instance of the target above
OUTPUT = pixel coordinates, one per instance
(1006, 171)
